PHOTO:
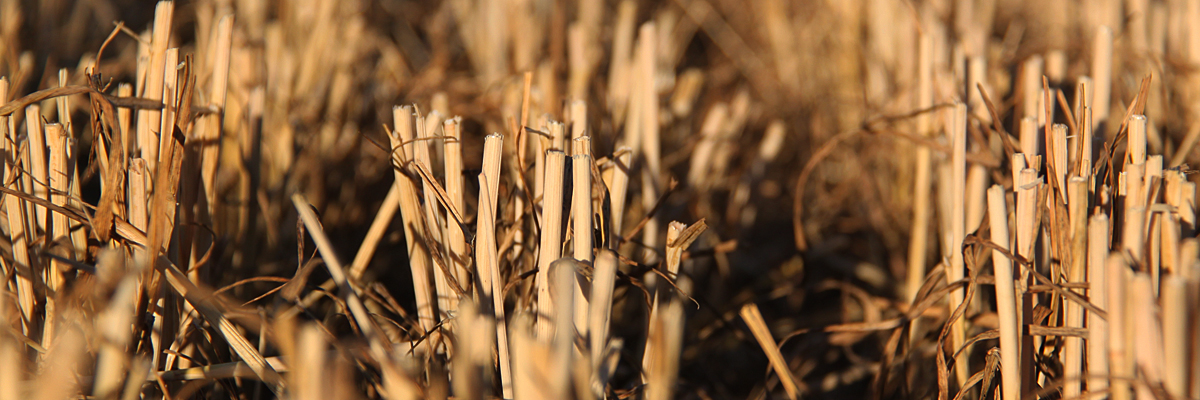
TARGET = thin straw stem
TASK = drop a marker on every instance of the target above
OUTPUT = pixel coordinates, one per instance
(16, 214)
(1006, 301)
(151, 120)
(36, 157)
(958, 232)
(922, 206)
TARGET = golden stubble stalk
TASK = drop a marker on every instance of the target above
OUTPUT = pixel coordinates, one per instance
(1175, 336)
(457, 243)
(78, 236)
(410, 210)
(956, 272)
(150, 120)
(1120, 361)
(487, 263)
(1147, 333)
(35, 157)
(59, 177)
(1073, 353)
(1006, 296)
(1097, 346)
(433, 233)
(581, 240)
(652, 184)
(1028, 188)
(604, 275)
(16, 213)
(550, 245)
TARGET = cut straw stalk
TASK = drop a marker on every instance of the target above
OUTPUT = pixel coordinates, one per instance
(645, 69)
(1057, 147)
(447, 299)
(1073, 353)
(410, 210)
(1137, 139)
(1148, 335)
(1028, 186)
(35, 156)
(1097, 348)
(1085, 148)
(1175, 336)
(579, 121)
(758, 327)
(16, 215)
(487, 262)
(169, 98)
(957, 233)
(1006, 297)
(78, 236)
(1181, 195)
(59, 177)
(452, 128)
(563, 275)
(581, 217)
(151, 120)
(1031, 86)
(63, 102)
(604, 275)
(550, 245)
(1121, 363)
(1028, 139)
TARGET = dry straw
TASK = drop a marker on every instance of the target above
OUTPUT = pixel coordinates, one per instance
(193, 275)
(550, 247)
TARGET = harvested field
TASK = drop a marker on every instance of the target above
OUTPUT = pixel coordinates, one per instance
(599, 199)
